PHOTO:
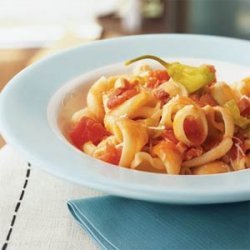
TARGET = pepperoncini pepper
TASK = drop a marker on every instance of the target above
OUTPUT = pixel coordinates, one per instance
(192, 78)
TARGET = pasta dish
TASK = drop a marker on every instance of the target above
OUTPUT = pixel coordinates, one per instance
(177, 119)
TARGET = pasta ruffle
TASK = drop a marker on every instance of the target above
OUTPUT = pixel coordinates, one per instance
(134, 137)
(198, 117)
(152, 123)
(223, 147)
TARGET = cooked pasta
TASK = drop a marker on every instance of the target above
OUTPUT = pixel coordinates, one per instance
(173, 120)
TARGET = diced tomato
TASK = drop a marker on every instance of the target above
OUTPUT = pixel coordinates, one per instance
(246, 112)
(162, 95)
(207, 99)
(212, 70)
(116, 100)
(203, 100)
(161, 75)
(182, 147)
(195, 97)
(86, 130)
(192, 153)
(112, 155)
(169, 135)
(122, 94)
(157, 77)
(244, 106)
(193, 131)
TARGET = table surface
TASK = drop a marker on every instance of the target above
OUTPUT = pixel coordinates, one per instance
(33, 208)
(13, 61)
(22, 215)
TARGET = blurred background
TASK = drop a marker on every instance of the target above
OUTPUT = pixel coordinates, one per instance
(32, 29)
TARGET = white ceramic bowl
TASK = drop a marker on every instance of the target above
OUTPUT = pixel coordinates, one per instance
(30, 105)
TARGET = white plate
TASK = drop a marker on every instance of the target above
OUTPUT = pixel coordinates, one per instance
(29, 111)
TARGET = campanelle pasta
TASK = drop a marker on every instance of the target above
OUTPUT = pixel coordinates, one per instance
(174, 120)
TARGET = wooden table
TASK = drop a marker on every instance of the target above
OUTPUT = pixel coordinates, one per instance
(14, 60)
(11, 62)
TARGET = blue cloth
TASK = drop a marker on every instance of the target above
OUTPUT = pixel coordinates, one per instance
(118, 223)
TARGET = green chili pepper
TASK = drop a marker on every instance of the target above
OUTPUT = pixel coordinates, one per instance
(239, 120)
(192, 78)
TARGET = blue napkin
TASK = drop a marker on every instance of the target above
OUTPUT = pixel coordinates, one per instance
(118, 223)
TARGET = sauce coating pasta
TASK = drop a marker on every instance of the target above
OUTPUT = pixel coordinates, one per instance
(175, 120)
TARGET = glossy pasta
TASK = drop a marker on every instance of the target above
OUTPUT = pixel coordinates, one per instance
(175, 120)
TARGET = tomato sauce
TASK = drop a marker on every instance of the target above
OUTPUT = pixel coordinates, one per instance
(193, 131)
(168, 135)
(244, 106)
(122, 94)
(162, 95)
(156, 78)
(203, 100)
(112, 155)
(192, 153)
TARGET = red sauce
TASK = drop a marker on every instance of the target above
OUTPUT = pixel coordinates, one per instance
(112, 155)
(207, 99)
(193, 131)
(244, 106)
(162, 95)
(212, 70)
(192, 153)
(203, 100)
(157, 77)
(169, 135)
(122, 94)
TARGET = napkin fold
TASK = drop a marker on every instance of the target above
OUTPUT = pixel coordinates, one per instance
(119, 223)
